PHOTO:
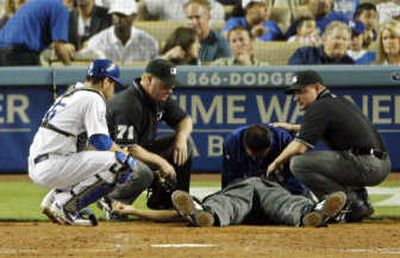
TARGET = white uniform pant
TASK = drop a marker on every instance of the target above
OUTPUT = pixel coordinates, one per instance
(62, 172)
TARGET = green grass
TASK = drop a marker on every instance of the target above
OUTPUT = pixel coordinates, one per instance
(19, 200)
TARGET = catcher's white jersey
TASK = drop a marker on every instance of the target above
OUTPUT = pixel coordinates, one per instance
(81, 111)
(53, 158)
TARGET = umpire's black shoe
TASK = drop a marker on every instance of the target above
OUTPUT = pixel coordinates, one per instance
(359, 207)
(359, 210)
(325, 210)
(191, 210)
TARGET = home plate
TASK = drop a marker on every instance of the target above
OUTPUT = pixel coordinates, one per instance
(183, 245)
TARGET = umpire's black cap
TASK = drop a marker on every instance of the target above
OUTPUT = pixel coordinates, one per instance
(163, 70)
(303, 78)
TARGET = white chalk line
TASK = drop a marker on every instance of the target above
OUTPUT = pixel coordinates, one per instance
(16, 251)
(187, 245)
(373, 250)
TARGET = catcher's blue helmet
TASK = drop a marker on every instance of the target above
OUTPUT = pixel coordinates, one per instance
(104, 68)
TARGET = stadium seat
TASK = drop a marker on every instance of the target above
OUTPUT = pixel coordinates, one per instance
(160, 30)
(372, 1)
(282, 16)
(299, 11)
(275, 52)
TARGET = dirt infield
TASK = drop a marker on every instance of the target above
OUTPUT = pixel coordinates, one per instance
(373, 238)
(148, 239)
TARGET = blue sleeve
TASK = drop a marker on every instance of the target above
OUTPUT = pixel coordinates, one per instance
(273, 32)
(100, 142)
(230, 24)
(230, 168)
(59, 20)
(286, 138)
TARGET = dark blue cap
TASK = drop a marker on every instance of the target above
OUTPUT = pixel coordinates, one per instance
(357, 27)
(163, 70)
(104, 68)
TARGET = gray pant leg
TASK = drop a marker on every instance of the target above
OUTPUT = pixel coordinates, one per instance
(279, 205)
(134, 186)
(329, 171)
(233, 203)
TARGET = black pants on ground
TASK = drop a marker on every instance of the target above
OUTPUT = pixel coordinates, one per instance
(18, 56)
(324, 172)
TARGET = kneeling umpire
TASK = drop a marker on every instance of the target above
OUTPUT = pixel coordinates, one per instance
(133, 117)
(357, 157)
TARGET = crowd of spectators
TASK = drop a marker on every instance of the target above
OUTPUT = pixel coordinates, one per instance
(210, 32)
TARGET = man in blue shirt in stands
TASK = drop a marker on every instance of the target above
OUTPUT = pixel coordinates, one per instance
(335, 43)
(36, 25)
(249, 150)
(256, 20)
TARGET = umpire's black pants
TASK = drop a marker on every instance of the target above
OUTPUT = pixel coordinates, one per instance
(145, 177)
(324, 172)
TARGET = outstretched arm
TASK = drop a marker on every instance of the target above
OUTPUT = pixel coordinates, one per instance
(154, 215)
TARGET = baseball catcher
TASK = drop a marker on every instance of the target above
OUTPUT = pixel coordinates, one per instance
(78, 179)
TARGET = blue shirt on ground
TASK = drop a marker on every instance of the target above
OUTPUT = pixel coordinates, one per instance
(316, 55)
(238, 165)
(36, 25)
(214, 46)
(273, 32)
(322, 23)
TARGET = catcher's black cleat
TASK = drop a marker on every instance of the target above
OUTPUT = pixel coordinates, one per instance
(191, 210)
(325, 210)
(76, 218)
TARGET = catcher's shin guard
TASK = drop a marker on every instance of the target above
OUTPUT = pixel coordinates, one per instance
(95, 187)
(87, 192)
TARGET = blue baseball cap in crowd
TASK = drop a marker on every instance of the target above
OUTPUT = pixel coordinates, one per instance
(104, 68)
(357, 27)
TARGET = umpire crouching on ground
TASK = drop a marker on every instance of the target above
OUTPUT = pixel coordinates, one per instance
(357, 157)
(133, 116)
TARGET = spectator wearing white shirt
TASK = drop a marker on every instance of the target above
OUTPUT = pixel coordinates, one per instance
(122, 42)
(388, 11)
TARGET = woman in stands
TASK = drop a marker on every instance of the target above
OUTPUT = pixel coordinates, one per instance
(241, 42)
(182, 47)
(389, 44)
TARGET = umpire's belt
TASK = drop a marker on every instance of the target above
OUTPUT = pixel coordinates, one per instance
(369, 151)
(41, 158)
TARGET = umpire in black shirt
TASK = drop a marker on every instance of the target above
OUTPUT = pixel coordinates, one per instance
(133, 116)
(357, 157)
